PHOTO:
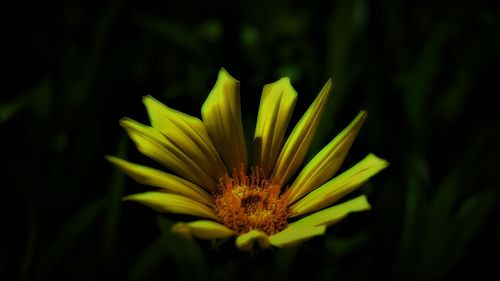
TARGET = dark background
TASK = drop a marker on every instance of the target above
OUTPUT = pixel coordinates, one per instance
(426, 72)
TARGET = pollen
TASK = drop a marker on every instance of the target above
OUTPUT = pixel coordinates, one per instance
(251, 202)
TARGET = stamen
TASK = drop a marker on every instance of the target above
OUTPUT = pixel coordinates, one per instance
(252, 202)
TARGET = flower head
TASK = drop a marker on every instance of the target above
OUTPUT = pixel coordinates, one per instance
(210, 177)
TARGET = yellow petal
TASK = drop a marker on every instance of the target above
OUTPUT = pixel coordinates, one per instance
(246, 241)
(222, 118)
(334, 214)
(203, 229)
(168, 182)
(298, 142)
(339, 186)
(276, 107)
(188, 134)
(294, 235)
(327, 162)
(155, 145)
(172, 203)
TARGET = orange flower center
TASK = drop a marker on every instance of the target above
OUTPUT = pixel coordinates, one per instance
(246, 203)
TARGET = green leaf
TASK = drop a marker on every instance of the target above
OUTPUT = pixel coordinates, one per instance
(436, 232)
(415, 203)
(342, 247)
(38, 98)
(12, 108)
(152, 258)
(113, 209)
(419, 82)
(340, 34)
(472, 216)
(29, 251)
(453, 100)
(185, 253)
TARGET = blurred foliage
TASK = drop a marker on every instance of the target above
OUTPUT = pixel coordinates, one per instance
(425, 71)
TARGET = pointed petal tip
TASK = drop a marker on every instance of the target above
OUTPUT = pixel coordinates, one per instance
(112, 159)
(381, 162)
(359, 119)
(362, 203)
(165, 202)
(224, 75)
(130, 125)
(293, 236)
(329, 85)
(202, 229)
(109, 157)
(126, 122)
(285, 82)
(138, 197)
(326, 91)
(130, 197)
(334, 214)
(149, 100)
(286, 79)
(153, 106)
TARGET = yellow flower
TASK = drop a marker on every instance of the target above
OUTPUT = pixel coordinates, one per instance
(258, 204)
